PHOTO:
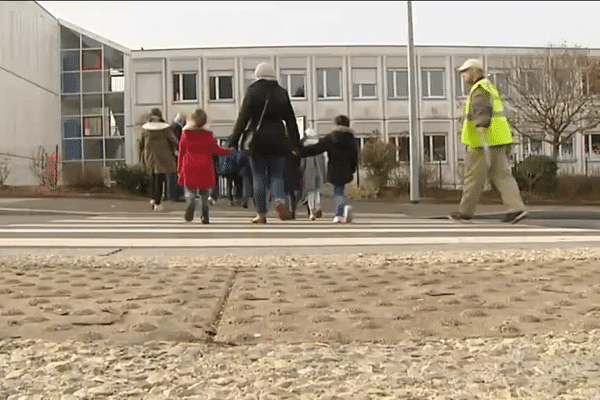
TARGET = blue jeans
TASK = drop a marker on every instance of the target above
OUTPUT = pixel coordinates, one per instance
(267, 172)
(339, 200)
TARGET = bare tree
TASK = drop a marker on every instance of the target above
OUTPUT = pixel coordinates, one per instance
(554, 97)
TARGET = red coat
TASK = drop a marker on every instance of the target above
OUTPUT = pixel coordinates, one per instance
(195, 164)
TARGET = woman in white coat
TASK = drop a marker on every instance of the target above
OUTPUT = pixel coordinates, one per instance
(313, 171)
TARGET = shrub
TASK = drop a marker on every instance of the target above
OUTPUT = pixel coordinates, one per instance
(91, 177)
(131, 178)
(537, 174)
(379, 159)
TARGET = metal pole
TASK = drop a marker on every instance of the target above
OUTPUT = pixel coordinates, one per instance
(413, 114)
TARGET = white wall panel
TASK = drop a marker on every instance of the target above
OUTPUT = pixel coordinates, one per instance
(29, 85)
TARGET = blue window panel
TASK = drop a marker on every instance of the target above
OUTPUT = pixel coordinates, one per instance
(72, 128)
(72, 149)
(70, 82)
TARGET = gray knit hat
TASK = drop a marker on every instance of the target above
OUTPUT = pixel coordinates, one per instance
(264, 70)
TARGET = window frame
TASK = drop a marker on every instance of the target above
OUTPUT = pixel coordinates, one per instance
(587, 150)
(493, 77)
(218, 74)
(526, 146)
(428, 143)
(360, 95)
(96, 119)
(394, 85)
(325, 75)
(428, 71)
(462, 89)
(181, 88)
(289, 72)
(396, 140)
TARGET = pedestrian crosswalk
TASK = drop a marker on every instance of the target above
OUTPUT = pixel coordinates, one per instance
(233, 229)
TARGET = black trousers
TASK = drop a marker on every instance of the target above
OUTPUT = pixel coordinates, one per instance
(158, 182)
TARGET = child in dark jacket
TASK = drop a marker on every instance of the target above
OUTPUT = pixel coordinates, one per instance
(342, 154)
(195, 165)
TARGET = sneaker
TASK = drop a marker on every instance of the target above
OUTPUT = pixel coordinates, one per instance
(514, 217)
(211, 201)
(283, 210)
(318, 213)
(152, 204)
(348, 214)
(205, 220)
(259, 220)
(456, 216)
(189, 211)
(312, 217)
(338, 220)
(158, 207)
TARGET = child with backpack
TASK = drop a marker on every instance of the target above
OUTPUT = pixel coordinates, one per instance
(195, 167)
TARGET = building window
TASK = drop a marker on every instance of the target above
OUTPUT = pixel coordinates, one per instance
(248, 78)
(432, 82)
(500, 79)
(462, 89)
(184, 86)
(329, 83)
(591, 143)
(221, 85)
(294, 81)
(434, 147)
(149, 88)
(402, 144)
(364, 83)
(117, 80)
(92, 126)
(529, 81)
(91, 59)
(531, 146)
(566, 149)
(397, 80)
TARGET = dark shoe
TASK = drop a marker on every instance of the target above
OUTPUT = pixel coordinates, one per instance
(245, 204)
(318, 213)
(259, 220)
(456, 216)
(283, 211)
(204, 218)
(514, 217)
(189, 211)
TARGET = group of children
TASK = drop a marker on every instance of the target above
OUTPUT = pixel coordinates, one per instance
(196, 170)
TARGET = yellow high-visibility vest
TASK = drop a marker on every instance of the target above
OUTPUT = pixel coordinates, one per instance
(499, 130)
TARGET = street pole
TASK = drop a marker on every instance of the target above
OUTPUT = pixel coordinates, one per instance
(413, 114)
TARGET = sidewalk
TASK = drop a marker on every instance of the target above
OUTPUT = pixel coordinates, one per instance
(426, 208)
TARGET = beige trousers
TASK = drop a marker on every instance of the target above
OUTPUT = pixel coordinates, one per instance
(499, 174)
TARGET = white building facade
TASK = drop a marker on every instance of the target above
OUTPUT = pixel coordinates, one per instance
(367, 83)
(68, 89)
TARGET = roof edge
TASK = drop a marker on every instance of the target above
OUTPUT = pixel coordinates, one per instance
(362, 45)
(94, 36)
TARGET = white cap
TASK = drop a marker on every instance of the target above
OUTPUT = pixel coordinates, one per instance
(471, 63)
(264, 70)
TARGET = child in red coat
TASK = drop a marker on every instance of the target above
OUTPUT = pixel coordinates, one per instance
(195, 165)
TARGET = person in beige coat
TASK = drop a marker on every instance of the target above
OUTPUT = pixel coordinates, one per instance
(158, 148)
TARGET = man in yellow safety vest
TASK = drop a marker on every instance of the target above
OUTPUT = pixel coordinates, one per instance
(487, 135)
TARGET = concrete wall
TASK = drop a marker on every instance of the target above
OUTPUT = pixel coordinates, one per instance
(30, 85)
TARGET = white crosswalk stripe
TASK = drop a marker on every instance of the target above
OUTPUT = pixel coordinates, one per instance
(229, 229)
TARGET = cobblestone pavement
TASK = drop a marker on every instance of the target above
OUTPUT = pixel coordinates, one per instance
(471, 325)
